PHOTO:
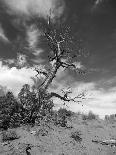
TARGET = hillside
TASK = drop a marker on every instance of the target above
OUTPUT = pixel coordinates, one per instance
(75, 139)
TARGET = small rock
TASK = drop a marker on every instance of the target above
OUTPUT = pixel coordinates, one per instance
(33, 132)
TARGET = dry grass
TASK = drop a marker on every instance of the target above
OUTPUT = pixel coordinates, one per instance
(76, 136)
(9, 135)
(74, 141)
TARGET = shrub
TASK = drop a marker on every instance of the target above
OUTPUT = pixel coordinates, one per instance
(8, 109)
(9, 135)
(84, 117)
(76, 136)
(32, 106)
(42, 132)
(89, 116)
(64, 112)
(62, 121)
(62, 116)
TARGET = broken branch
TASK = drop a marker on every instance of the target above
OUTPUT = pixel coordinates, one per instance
(67, 98)
(67, 65)
(41, 72)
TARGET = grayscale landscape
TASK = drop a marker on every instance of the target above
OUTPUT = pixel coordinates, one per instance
(57, 77)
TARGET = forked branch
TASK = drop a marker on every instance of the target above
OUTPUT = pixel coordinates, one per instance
(68, 65)
(58, 42)
(67, 98)
(40, 72)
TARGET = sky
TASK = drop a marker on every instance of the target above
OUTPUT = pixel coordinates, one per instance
(91, 21)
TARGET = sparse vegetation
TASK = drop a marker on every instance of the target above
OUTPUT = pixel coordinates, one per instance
(9, 111)
(76, 136)
(62, 116)
(42, 132)
(89, 116)
(28, 122)
(110, 118)
(63, 111)
(9, 135)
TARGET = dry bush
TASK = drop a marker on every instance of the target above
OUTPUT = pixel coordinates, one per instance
(9, 135)
(89, 116)
(84, 117)
(63, 111)
(62, 116)
(9, 111)
(42, 132)
(76, 136)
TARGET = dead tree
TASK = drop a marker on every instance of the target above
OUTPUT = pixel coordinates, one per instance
(60, 56)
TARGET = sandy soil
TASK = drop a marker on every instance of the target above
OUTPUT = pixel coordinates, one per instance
(58, 140)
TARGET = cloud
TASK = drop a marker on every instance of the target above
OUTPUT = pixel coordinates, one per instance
(97, 4)
(79, 65)
(2, 35)
(21, 60)
(37, 60)
(14, 78)
(40, 8)
(37, 52)
(76, 88)
(102, 102)
(33, 35)
(111, 81)
(3, 90)
(99, 100)
(8, 61)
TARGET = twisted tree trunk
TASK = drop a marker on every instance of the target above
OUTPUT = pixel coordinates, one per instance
(50, 76)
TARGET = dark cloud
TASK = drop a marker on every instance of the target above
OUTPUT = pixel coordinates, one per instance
(92, 21)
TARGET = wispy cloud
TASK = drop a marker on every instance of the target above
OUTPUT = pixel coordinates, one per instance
(33, 35)
(33, 39)
(97, 4)
(40, 8)
(37, 52)
(8, 61)
(2, 35)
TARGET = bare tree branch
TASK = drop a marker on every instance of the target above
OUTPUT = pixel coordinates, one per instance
(58, 40)
(67, 98)
(41, 72)
(68, 65)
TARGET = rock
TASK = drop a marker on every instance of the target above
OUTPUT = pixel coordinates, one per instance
(33, 132)
(111, 142)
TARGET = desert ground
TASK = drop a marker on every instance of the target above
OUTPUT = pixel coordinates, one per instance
(80, 137)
